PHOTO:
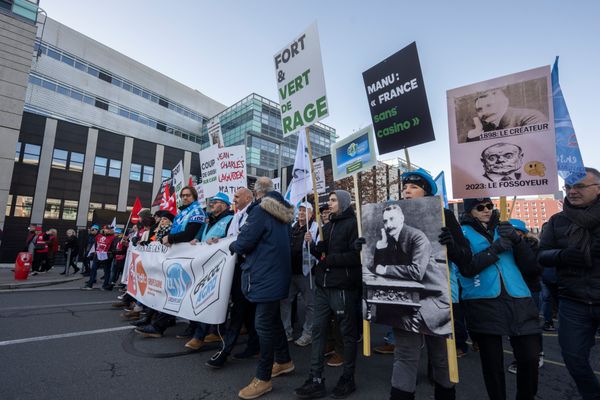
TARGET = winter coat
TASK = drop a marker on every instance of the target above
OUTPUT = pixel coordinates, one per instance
(495, 298)
(264, 240)
(298, 244)
(187, 223)
(580, 284)
(73, 244)
(341, 267)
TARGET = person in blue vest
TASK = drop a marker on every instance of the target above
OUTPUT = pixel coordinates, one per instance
(219, 219)
(496, 299)
(188, 221)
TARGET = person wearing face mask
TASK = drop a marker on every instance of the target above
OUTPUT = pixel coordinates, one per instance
(496, 299)
(404, 252)
(571, 243)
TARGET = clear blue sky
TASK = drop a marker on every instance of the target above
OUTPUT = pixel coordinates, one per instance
(225, 48)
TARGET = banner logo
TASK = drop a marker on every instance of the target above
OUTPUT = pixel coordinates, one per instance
(206, 292)
(178, 282)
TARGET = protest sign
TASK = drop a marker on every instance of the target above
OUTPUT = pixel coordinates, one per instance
(178, 181)
(353, 154)
(192, 282)
(215, 136)
(276, 184)
(223, 170)
(404, 266)
(319, 175)
(398, 101)
(300, 82)
(502, 140)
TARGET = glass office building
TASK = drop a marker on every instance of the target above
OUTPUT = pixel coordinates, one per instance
(255, 121)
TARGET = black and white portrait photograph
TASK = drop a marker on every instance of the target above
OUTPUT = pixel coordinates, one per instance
(511, 106)
(502, 162)
(405, 273)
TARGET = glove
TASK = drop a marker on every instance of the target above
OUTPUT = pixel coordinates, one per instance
(231, 250)
(446, 238)
(572, 257)
(506, 230)
(595, 249)
(501, 245)
(358, 243)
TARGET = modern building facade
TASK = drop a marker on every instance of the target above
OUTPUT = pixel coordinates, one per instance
(99, 129)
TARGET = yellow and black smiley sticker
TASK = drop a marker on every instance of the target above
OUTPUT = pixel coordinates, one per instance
(535, 168)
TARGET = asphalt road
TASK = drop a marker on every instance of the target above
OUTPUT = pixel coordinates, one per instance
(70, 344)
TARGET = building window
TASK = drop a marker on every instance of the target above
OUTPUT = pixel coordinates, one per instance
(101, 104)
(8, 205)
(148, 174)
(93, 206)
(31, 155)
(70, 210)
(115, 169)
(52, 210)
(112, 207)
(166, 174)
(100, 166)
(135, 174)
(59, 159)
(23, 206)
(76, 162)
(18, 152)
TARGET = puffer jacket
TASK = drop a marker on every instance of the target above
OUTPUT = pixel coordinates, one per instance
(580, 284)
(340, 266)
(264, 241)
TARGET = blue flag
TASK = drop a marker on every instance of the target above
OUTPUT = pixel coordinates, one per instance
(568, 158)
(440, 181)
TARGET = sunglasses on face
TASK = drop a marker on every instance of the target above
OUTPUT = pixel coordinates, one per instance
(481, 207)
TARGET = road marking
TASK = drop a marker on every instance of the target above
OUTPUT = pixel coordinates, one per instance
(551, 362)
(64, 335)
(91, 303)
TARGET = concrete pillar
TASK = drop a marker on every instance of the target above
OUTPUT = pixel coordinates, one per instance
(86, 179)
(125, 169)
(43, 176)
(187, 164)
(158, 166)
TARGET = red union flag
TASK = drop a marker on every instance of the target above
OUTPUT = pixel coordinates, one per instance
(137, 206)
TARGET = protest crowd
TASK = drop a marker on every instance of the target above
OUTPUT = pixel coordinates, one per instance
(497, 273)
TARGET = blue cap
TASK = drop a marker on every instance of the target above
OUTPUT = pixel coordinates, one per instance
(221, 197)
(519, 225)
(421, 178)
(95, 227)
(118, 230)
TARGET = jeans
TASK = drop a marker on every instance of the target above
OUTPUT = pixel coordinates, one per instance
(104, 264)
(299, 284)
(343, 305)
(549, 299)
(271, 336)
(242, 313)
(526, 350)
(117, 270)
(578, 323)
(408, 353)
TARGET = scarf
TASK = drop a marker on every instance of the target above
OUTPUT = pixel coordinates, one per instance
(584, 221)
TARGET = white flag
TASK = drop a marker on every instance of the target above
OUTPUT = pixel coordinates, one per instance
(114, 223)
(301, 183)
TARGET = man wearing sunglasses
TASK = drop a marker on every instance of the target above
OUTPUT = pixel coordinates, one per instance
(571, 242)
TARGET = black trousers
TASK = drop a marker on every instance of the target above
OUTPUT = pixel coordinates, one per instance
(526, 350)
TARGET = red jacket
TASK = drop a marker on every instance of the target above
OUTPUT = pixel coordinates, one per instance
(41, 243)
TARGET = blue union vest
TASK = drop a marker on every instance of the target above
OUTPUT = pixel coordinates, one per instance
(486, 284)
(218, 230)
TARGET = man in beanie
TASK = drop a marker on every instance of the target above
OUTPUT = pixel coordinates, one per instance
(338, 279)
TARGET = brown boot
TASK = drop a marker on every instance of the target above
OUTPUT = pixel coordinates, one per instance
(120, 304)
(211, 338)
(130, 315)
(255, 389)
(194, 344)
(336, 360)
(387, 348)
(282, 369)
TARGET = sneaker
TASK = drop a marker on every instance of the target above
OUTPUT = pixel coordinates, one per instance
(255, 389)
(329, 350)
(460, 353)
(140, 322)
(246, 354)
(86, 287)
(194, 344)
(212, 338)
(34, 273)
(385, 349)
(106, 288)
(282, 369)
(313, 388)
(303, 340)
(217, 360)
(335, 360)
(344, 388)
(289, 338)
(149, 331)
(188, 333)
(63, 273)
(549, 326)
(512, 368)
(75, 270)
(541, 360)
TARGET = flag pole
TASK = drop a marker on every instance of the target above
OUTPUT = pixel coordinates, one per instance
(366, 321)
(314, 182)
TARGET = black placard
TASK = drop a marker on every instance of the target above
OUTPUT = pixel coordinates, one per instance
(398, 101)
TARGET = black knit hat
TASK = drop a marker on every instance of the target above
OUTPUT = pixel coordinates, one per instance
(471, 203)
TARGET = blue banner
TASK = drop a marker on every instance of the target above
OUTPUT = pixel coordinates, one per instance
(440, 181)
(568, 158)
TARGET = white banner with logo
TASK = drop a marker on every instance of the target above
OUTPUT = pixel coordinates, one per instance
(192, 282)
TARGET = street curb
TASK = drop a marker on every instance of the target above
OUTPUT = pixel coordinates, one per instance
(32, 284)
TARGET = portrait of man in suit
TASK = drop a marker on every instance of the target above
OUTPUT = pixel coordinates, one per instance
(502, 162)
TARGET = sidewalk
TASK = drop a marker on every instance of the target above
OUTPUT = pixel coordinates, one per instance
(52, 277)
